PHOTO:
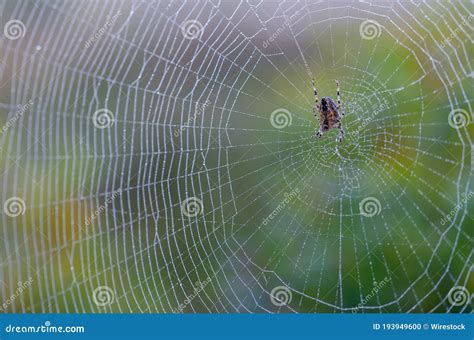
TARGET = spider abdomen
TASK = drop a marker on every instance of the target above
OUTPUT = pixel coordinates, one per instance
(328, 114)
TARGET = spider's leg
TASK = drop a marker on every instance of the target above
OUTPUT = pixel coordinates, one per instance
(338, 97)
(315, 112)
(340, 135)
(316, 100)
(319, 132)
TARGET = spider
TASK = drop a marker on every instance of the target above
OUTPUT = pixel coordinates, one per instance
(330, 114)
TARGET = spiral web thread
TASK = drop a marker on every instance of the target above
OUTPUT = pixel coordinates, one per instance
(108, 226)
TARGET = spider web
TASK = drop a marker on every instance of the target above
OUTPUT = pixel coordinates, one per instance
(192, 195)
